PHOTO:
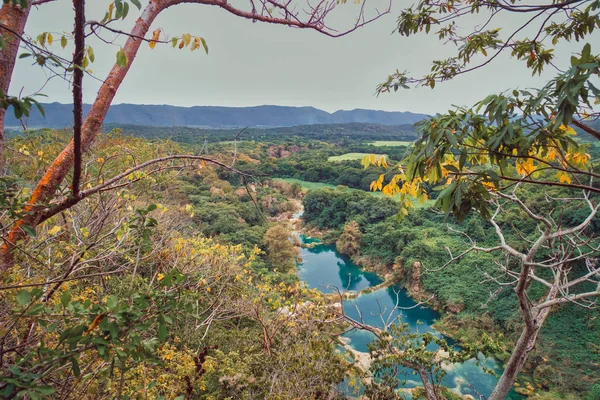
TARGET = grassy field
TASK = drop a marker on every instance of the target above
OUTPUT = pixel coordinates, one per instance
(305, 184)
(391, 143)
(348, 157)
(318, 185)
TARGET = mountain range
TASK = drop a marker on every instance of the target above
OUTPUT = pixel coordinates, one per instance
(61, 115)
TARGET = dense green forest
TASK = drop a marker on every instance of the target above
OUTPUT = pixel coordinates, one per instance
(194, 235)
(329, 132)
(563, 363)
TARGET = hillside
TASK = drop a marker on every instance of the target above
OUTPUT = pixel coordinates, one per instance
(327, 132)
(60, 115)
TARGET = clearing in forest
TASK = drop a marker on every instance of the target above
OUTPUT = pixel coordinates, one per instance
(390, 143)
(319, 185)
(349, 157)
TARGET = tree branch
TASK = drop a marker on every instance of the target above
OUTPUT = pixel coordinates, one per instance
(79, 6)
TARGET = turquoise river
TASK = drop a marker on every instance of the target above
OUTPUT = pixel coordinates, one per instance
(322, 266)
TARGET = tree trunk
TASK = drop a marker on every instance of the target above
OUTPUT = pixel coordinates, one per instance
(523, 348)
(12, 25)
(515, 364)
(60, 167)
(427, 385)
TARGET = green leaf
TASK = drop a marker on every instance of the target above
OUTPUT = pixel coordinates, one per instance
(137, 4)
(23, 297)
(75, 366)
(65, 299)
(42, 39)
(122, 58)
(18, 115)
(585, 53)
(204, 45)
(119, 8)
(63, 42)
(174, 41)
(162, 332)
(463, 159)
(28, 229)
(40, 109)
(451, 168)
(45, 390)
(112, 301)
(91, 55)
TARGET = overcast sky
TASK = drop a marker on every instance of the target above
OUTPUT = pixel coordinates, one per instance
(256, 63)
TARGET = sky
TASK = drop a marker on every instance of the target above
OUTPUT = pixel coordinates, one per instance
(256, 63)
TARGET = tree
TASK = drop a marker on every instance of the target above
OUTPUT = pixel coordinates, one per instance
(487, 158)
(62, 321)
(395, 347)
(349, 241)
(14, 15)
(280, 250)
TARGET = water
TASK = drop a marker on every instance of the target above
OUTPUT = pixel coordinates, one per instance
(322, 267)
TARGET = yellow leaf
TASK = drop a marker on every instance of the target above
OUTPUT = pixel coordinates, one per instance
(50, 39)
(186, 38)
(525, 167)
(196, 44)
(155, 37)
(95, 322)
(563, 177)
(54, 230)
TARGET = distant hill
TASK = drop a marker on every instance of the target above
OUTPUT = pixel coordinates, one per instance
(327, 132)
(61, 116)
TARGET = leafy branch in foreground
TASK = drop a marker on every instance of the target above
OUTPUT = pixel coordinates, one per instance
(547, 24)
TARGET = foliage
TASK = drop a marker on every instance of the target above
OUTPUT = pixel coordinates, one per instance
(489, 158)
(122, 295)
(398, 352)
(330, 133)
(333, 208)
(462, 287)
(349, 241)
(280, 250)
(348, 157)
(478, 46)
(390, 143)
